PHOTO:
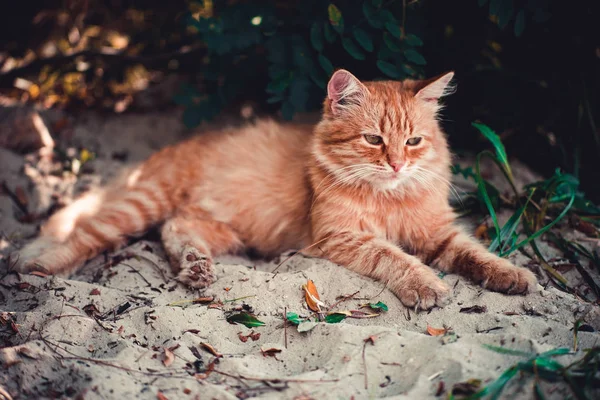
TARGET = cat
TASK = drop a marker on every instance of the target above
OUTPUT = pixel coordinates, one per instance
(366, 188)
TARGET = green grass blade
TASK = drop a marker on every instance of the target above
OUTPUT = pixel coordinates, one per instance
(512, 352)
(483, 191)
(496, 142)
(560, 351)
(545, 229)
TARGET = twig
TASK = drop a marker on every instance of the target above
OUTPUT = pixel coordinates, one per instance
(285, 320)
(137, 272)
(344, 298)
(275, 380)
(365, 365)
(239, 298)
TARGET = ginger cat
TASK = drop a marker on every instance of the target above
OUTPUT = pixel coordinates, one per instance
(369, 183)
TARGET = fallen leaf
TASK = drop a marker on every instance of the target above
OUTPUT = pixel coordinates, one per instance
(95, 292)
(254, 336)
(293, 318)
(39, 273)
(270, 351)
(377, 306)
(161, 396)
(208, 347)
(168, 357)
(306, 326)
(371, 339)
(243, 338)
(21, 196)
(360, 314)
(312, 296)
(466, 388)
(187, 391)
(248, 320)
(227, 289)
(335, 317)
(436, 331)
(474, 310)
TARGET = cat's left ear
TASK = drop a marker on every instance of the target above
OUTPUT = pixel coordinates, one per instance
(431, 90)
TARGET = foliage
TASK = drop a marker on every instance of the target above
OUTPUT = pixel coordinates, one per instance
(299, 49)
(582, 375)
(552, 199)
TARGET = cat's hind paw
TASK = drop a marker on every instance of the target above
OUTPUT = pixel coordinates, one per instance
(196, 269)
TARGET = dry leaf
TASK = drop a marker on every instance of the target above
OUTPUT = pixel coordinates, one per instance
(161, 396)
(436, 331)
(243, 338)
(371, 339)
(270, 352)
(95, 292)
(168, 358)
(39, 273)
(312, 296)
(208, 347)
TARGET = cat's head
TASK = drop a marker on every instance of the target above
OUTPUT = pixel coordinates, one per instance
(383, 133)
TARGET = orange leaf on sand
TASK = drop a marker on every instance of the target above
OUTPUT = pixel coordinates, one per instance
(161, 396)
(312, 296)
(168, 358)
(208, 347)
(436, 331)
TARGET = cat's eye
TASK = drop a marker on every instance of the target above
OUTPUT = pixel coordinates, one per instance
(413, 141)
(373, 139)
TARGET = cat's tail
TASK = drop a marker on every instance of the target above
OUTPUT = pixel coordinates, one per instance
(93, 223)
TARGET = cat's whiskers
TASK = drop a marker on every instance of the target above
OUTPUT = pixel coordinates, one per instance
(426, 173)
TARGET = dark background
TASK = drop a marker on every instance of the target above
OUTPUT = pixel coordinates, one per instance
(535, 84)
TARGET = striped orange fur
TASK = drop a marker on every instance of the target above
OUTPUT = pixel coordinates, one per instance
(370, 181)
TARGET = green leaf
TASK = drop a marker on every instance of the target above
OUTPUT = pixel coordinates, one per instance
(506, 13)
(394, 29)
(287, 110)
(353, 49)
(249, 321)
(293, 318)
(413, 40)
(335, 18)
(334, 318)
(371, 14)
(388, 69)
(378, 306)
(326, 65)
(275, 99)
(495, 7)
(364, 39)
(496, 142)
(316, 37)
(415, 57)
(512, 352)
(482, 189)
(299, 93)
(391, 43)
(317, 77)
(330, 35)
(520, 23)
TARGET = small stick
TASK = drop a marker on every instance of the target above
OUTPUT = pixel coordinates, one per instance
(251, 378)
(285, 320)
(348, 297)
(365, 365)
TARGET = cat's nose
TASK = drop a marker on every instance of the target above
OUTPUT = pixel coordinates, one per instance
(396, 166)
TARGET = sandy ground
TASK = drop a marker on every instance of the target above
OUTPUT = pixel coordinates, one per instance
(113, 332)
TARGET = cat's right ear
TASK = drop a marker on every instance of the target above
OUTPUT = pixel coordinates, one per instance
(344, 92)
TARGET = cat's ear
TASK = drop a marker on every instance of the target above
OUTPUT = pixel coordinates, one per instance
(431, 90)
(344, 92)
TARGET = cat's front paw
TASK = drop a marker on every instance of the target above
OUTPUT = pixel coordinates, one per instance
(422, 289)
(196, 269)
(501, 276)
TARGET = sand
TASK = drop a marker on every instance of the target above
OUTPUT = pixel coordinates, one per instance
(111, 331)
